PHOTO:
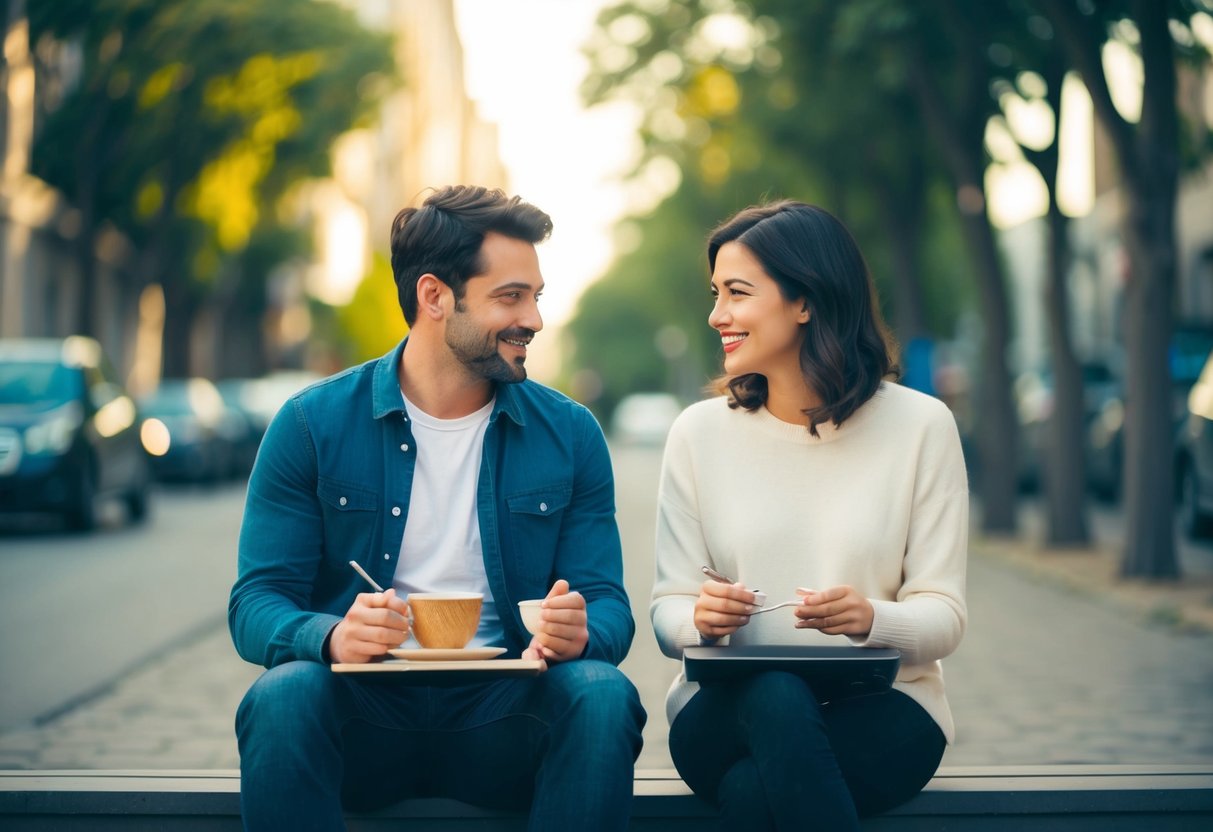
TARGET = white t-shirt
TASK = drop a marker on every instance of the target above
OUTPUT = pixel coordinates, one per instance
(441, 549)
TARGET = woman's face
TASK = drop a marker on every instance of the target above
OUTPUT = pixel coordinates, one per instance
(760, 330)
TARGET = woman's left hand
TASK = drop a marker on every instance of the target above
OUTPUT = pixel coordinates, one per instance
(839, 610)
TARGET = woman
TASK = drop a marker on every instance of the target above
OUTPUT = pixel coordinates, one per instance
(815, 478)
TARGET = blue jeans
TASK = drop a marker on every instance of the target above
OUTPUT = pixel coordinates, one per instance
(562, 744)
(770, 757)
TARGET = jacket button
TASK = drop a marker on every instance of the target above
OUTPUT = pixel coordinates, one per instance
(343, 501)
(395, 511)
(386, 556)
(543, 506)
(404, 447)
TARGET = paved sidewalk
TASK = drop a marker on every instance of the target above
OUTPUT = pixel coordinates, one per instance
(1045, 675)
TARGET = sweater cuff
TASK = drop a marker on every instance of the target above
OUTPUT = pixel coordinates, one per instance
(892, 626)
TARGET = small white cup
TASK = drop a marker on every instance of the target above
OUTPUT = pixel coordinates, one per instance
(532, 614)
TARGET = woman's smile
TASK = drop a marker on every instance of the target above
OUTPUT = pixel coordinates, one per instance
(732, 340)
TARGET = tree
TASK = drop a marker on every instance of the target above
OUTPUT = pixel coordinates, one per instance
(1148, 158)
(198, 116)
(1031, 70)
(820, 90)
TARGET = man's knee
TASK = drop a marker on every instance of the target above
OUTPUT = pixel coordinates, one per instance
(598, 692)
(285, 692)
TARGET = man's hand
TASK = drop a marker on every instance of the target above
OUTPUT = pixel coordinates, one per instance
(839, 610)
(375, 623)
(563, 632)
(722, 609)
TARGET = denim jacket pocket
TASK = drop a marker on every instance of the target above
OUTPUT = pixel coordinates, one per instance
(350, 519)
(536, 516)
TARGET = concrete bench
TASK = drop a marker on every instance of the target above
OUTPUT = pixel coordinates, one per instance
(1158, 798)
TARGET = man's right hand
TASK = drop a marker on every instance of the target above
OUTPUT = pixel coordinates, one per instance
(374, 624)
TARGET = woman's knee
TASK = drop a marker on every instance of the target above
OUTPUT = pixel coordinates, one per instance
(776, 689)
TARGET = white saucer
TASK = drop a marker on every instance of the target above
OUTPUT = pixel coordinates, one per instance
(439, 654)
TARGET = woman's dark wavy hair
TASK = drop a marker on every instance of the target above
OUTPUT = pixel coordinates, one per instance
(847, 349)
(443, 237)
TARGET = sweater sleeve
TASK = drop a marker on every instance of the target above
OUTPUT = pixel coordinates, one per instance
(928, 617)
(680, 548)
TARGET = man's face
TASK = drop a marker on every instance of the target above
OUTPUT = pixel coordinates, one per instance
(499, 313)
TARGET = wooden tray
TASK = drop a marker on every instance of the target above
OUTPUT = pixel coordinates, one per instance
(446, 672)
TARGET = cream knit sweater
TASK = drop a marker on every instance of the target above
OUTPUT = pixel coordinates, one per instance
(880, 504)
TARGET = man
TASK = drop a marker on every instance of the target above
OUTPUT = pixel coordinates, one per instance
(437, 467)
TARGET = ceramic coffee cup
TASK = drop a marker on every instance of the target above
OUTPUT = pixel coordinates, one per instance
(445, 620)
(531, 612)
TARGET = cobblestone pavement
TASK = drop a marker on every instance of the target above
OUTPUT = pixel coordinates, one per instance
(1042, 677)
(1045, 674)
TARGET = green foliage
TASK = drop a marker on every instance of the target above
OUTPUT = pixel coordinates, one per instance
(199, 116)
(372, 323)
(781, 106)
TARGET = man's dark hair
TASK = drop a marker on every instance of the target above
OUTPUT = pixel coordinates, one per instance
(847, 349)
(443, 237)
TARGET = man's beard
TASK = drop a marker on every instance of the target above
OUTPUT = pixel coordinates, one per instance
(477, 350)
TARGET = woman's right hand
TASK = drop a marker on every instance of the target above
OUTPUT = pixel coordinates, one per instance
(722, 609)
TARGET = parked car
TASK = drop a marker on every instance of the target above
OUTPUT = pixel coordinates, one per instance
(241, 425)
(185, 433)
(1195, 458)
(69, 432)
(1190, 347)
(261, 398)
(1034, 400)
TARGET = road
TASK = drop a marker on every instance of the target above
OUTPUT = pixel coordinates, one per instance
(78, 611)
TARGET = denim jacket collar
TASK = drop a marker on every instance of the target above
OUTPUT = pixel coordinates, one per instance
(387, 398)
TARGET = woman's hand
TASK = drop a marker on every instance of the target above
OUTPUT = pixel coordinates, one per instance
(722, 609)
(839, 610)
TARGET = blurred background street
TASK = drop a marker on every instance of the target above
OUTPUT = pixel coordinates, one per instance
(195, 205)
(1045, 674)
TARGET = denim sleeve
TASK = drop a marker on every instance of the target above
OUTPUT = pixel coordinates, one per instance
(589, 554)
(279, 551)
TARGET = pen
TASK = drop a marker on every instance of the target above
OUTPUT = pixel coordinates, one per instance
(760, 597)
(716, 576)
(365, 576)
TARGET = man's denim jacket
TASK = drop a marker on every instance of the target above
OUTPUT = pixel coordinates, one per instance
(332, 482)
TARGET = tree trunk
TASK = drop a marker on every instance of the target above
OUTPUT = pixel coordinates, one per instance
(901, 215)
(85, 251)
(997, 430)
(1149, 428)
(178, 328)
(1149, 473)
(959, 128)
(1063, 460)
(1148, 157)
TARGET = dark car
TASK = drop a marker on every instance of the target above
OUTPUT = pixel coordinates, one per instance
(69, 433)
(252, 403)
(1190, 347)
(1195, 458)
(185, 431)
(1034, 401)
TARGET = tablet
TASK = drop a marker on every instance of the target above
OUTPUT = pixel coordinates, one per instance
(832, 672)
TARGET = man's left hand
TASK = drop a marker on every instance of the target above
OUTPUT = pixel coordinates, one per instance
(563, 632)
